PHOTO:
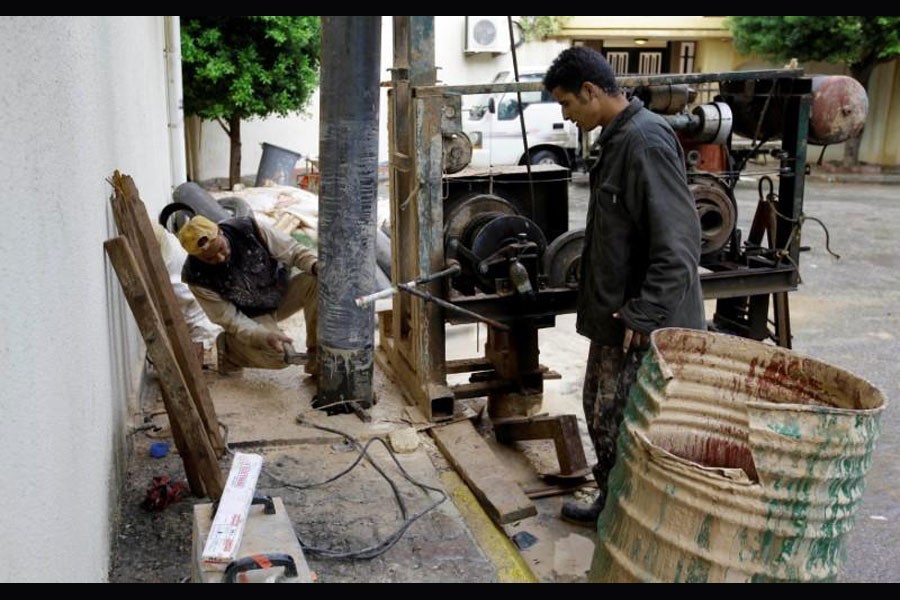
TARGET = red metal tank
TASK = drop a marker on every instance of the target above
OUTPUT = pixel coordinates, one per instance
(839, 109)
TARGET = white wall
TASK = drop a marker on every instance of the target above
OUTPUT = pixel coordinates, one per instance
(82, 96)
(301, 134)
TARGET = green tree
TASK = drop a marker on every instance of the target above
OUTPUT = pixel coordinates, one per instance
(541, 28)
(861, 43)
(237, 68)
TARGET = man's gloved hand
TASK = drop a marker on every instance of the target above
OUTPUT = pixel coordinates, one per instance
(634, 340)
(277, 339)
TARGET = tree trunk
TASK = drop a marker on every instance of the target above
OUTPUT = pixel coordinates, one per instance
(234, 168)
(851, 151)
(861, 73)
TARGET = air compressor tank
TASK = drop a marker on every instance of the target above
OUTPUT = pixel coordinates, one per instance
(838, 111)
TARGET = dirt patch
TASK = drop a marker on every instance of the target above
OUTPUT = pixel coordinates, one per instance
(151, 547)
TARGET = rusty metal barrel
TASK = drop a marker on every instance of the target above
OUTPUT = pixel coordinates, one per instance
(840, 106)
(738, 462)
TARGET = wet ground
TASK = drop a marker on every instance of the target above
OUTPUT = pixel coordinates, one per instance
(846, 312)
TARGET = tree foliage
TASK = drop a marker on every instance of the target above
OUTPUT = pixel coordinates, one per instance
(236, 68)
(248, 66)
(859, 42)
(541, 28)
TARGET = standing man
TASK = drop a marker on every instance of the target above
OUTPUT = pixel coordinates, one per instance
(240, 272)
(641, 249)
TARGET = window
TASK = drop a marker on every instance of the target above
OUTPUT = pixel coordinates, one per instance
(650, 63)
(618, 61)
(651, 60)
(509, 106)
(686, 61)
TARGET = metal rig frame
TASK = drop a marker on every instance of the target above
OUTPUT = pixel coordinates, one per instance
(413, 333)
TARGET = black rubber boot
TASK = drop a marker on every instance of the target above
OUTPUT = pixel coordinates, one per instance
(580, 513)
(312, 362)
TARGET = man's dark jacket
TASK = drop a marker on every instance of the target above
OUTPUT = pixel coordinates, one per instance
(642, 242)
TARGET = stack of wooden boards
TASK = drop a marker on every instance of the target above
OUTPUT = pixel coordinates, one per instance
(137, 260)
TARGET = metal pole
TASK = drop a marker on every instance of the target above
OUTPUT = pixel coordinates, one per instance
(348, 158)
(174, 98)
(512, 49)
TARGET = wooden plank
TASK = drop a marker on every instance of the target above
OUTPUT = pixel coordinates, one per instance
(427, 331)
(545, 491)
(502, 498)
(483, 388)
(126, 227)
(157, 277)
(195, 445)
(134, 223)
(468, 365)
(190, 468)
(562, 429)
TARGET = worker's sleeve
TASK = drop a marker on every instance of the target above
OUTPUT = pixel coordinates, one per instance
(286, 249)
(668, 217)
(225, 314)
(173, 257)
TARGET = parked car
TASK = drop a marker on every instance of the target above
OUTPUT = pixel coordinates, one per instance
(496, 134)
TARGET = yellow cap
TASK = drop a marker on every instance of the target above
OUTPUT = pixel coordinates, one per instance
(197, 233)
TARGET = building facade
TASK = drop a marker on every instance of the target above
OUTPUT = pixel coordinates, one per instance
(687, 44)
(473, 49)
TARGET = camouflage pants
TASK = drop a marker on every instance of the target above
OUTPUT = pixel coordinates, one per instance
(608, 377)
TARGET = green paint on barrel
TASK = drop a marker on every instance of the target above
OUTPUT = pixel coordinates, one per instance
(697, 572)
(761, 454)
(790, 430)
(703, 535)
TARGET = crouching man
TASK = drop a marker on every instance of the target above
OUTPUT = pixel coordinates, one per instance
(241, 274)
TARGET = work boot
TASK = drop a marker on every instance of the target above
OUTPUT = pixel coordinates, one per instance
(224, 365)
(311, 367)
(581, 513)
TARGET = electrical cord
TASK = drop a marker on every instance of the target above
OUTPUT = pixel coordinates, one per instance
(798, 225)
(387, 543)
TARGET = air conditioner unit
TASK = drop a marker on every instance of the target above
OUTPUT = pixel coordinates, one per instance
(486, 34)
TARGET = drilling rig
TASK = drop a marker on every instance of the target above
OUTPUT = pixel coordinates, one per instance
(504, 233)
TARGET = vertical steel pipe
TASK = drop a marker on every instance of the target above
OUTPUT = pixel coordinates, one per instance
(348, 159)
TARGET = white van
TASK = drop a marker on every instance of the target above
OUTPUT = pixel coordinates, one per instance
(496, 135)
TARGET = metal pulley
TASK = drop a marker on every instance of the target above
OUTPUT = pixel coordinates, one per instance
(502, 246)
(460, 212)
(492, 243)
(562, 260)
(717, 210)
(708, 123)
(715, 123)
(457, 152)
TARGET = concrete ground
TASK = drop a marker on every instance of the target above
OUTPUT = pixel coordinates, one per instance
(449, 537)
(845, 312)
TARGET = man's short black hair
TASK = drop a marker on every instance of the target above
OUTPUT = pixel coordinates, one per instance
(578, 64)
